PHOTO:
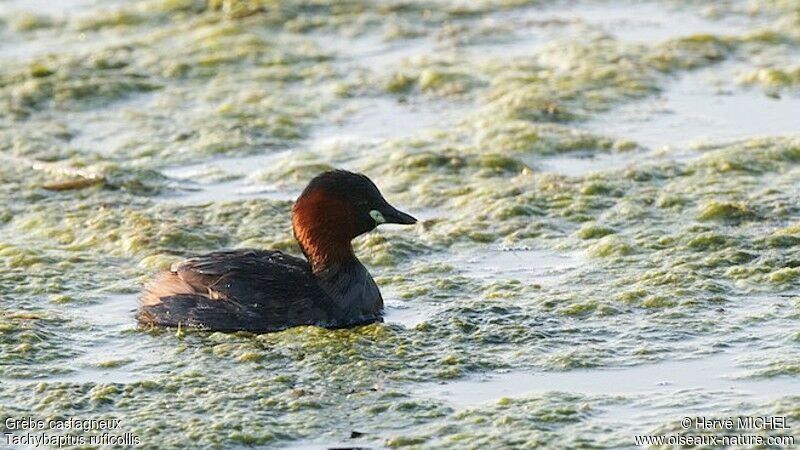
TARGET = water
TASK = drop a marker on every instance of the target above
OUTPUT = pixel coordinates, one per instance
(662, 379)
(236, 168)
(578, 164)
(641, 21)
(702, 107)
(377, 119)
(555, 291)
(543, 267)
(52, 9)
(374, 52)
(370, 121)
(537, 265)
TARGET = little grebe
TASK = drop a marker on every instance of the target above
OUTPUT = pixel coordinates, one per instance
(267, 290)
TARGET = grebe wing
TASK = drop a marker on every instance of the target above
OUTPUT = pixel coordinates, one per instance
(255, 290)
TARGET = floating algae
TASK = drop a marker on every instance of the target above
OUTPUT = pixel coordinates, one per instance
(569, 229)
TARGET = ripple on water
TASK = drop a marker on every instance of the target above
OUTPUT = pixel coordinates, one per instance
(235, 186)
(648, 22)
(701, 106)
(384, 118)
(641, 22)
(408, 316)
(374, 53)
(543, 267)
(533, 265)
(21, 47)
(57, 9)
(696, 108)
(718, 372)
(364, 121)
(107, 354)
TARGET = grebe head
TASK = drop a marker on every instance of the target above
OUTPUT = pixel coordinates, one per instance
(334, 208)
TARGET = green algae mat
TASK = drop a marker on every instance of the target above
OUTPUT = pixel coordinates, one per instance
(608, 195)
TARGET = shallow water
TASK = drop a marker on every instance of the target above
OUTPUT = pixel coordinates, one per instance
(50, 9)
(362, 121)
(703, 107)
(609, 234)
(646, 22)
(716, 372)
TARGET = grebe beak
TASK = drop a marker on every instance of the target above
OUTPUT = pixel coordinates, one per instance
(394, 215)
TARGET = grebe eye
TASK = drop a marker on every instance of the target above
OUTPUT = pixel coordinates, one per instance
(377, 216)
